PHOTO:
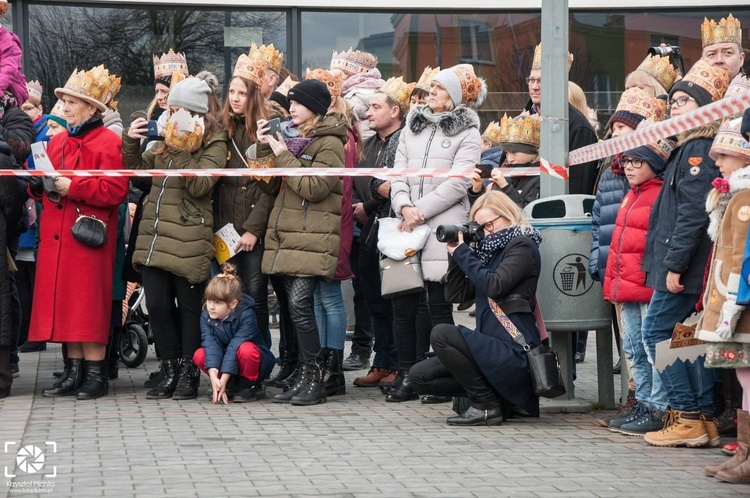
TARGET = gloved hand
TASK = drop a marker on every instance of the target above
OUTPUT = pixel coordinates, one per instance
(730, 314)
(36, 185)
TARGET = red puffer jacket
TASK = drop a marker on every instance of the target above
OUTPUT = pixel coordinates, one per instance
(624, 280)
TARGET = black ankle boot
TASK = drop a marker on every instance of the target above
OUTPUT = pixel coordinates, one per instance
(248, 391)
(476, 416)
(69, 382)
(165, 388)
(287, 395)
(387, 388)
(94, 380)
(66, 365)
(188, 381)
(334, 373)
(155, 377)
(292, 380)
(405, 391)
(290, 365)
(314, 389)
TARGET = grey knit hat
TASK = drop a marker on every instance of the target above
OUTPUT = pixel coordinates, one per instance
(191, 94)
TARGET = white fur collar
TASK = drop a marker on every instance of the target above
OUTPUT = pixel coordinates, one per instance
(716, 202)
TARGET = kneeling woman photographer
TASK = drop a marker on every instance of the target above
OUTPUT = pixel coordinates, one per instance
(486, 364)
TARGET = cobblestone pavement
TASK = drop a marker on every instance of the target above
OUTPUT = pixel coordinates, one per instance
(354, 445)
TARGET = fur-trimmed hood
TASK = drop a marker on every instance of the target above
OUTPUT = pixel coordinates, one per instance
(716, 202)
(706, 131)
(451, 123)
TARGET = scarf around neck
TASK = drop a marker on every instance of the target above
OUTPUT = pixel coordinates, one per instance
(294, 142)
(493, 243)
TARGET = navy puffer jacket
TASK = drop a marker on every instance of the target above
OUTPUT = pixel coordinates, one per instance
(612, 188)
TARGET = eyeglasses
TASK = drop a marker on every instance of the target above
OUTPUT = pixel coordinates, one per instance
(489, 225)
(533, 81)
(680, 101)
(635, 163)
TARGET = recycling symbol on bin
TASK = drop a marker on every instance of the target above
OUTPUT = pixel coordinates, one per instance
(571, 276)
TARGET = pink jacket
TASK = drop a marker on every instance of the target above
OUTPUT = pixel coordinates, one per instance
(11, 77)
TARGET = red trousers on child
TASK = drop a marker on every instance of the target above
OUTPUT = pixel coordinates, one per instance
(248, 357)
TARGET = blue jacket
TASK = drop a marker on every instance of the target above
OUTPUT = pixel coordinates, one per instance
(611, 190)
(492, 156)
(677, 239)
(743, 294)
(28, 238)
(222, 339)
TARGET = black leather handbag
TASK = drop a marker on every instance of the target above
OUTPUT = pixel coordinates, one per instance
(90, 230)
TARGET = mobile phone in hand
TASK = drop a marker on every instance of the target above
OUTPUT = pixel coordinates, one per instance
(486, 170)
(152, 131)
(274, 126)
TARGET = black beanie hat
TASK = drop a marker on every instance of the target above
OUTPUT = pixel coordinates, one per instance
(701, 96)
(312, 94)
(280, 99)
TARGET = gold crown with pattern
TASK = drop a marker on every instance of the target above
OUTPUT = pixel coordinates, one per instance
(523, 129)
(268, 53)
(57, 110)
(537, 62)
(663, 146)
(660, 69)
(427, 75)
(353, 61)
(286, 85)
(725, 31)
(113, 83)
(168, 63)
(492, 134)
(399, 91)
(332, 81)
(35, 91)
(252, 67)
(94, 86)
(253, 162)
(177, 76)
(730, 141)
(184, 141)
(714, 80)
(740, 84)
(637, 101)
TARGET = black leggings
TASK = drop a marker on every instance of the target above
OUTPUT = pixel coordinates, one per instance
(255, 285)
(453, 372)
(295, 295)
(177, 327)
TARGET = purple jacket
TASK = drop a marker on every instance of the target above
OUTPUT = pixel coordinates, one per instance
(11, 77)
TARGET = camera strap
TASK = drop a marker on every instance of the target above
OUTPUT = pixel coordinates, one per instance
(508, 324)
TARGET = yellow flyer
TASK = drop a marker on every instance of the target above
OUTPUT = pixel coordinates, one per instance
(225, 240)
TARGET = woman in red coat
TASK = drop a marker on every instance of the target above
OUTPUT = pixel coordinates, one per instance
(73, 298)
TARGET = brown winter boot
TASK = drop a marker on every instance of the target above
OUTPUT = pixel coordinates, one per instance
(742, 439)
(712, 429)
(737, 469)
(681, 428)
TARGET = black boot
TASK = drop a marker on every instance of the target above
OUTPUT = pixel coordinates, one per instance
(66, 365)
(69, 382)
(387, 388)
(334, 373)
(165, 388)
(732, 394)
(188, 382)
(314, 389)
(32, 347)
(476, 416)
(155, 377)
(405, 391)
(287, 395)
(287, 369)
(248, 391)
(292, 380)
(94, 380)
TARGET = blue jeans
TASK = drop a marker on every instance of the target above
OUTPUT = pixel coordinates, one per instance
(330, 314)
(648, 385)
(689, 384)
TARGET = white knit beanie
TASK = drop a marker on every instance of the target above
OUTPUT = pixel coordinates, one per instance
(191, 94)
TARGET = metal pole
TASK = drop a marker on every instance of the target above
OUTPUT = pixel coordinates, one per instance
(554, 110)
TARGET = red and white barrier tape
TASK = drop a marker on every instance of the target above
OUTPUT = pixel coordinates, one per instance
(555, 170)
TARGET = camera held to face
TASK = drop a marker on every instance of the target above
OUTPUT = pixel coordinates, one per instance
(473, 232)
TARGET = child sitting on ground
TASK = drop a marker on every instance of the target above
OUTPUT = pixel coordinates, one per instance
(231, 340)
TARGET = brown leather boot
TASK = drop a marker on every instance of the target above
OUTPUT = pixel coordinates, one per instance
(742, 439)
(712, 429)
(373, 377)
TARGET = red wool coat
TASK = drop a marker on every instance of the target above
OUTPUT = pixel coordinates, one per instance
(624, 280)
(73, 289)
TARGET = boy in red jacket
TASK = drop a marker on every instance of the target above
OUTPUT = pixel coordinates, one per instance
(625, 282)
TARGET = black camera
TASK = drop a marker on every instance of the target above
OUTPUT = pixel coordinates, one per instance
(473, 232)
(671, 51)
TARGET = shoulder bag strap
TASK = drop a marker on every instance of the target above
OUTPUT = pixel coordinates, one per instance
(508, 324)
(242, 156)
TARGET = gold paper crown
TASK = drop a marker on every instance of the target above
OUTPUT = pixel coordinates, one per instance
(332, 81)
(259, 163)
(94, 86)
(714, 80)
(492, 134)
(523, 129)
(472, 87)
(663, 147)
(740, 84)
(180, 140)
(35, 90)
(252, 67)
(427, 75)
(111, 81)
(637, 101)
(730, 141)
(537, 62)
(353, 61)
(286, 85)
(268, 53)
(177, 76)
(725, 31)
(660, 69)
(57, 110)
(398, 90)
(168, 63)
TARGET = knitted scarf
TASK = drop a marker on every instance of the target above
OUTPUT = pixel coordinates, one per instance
(494, 242)
(293, 141)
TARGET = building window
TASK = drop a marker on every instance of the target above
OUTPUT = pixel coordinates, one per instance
(476, 42)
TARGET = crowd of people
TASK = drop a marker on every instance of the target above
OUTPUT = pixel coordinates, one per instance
(670, 223)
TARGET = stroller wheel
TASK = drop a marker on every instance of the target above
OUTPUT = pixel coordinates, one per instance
(133, 345)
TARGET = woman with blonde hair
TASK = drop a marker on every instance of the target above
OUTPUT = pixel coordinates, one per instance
(486, 364)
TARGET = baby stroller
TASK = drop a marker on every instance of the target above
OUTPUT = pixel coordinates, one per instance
(136, 335)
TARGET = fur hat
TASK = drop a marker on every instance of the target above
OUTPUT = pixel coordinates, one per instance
(191, 94)
(463, 86)
(312, 94)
